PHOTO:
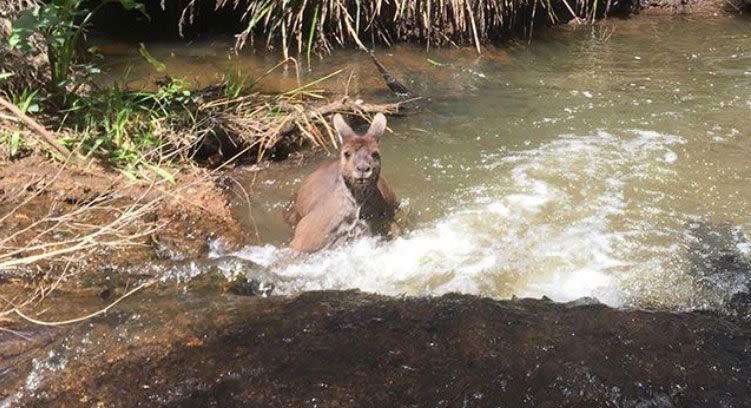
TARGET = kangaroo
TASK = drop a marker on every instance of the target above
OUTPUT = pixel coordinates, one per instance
(346, 198)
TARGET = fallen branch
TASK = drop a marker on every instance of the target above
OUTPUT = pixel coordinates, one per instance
(391, 81)
(43, 135)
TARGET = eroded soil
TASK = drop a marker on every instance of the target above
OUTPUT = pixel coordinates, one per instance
(175, 220)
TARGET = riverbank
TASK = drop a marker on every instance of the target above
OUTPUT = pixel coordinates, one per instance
(48, 207)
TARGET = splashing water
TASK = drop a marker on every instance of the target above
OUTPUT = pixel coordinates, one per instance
(550, 221)
(582, 164)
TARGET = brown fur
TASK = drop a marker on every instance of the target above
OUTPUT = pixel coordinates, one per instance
(346, 198)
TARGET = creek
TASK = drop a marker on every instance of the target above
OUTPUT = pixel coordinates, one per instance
(606, 167)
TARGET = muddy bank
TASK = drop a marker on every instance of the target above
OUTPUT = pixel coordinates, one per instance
(162, 220)
(353, 349)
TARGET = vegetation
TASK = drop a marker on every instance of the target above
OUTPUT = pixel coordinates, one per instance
(59, 25)
(140, 133)
(48, 81)
(309, 26)
(45, 70)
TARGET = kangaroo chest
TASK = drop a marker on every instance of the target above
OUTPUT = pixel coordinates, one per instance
(357, 215)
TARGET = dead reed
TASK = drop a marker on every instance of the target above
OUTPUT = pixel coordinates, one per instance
(305, 26)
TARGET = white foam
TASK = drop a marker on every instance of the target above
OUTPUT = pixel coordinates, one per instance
(549, 221)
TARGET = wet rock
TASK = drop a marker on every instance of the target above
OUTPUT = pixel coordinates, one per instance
(354, 349)
(739, 306)
(584, 301)
(244, 287)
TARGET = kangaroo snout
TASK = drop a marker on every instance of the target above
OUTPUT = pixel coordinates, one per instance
(362, 172)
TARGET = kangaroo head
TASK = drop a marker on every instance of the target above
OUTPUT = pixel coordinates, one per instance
(360, 157)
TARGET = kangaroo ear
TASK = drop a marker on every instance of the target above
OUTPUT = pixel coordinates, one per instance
(342, 128)
(377, 127)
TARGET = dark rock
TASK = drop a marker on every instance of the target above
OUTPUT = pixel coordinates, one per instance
(338, 349)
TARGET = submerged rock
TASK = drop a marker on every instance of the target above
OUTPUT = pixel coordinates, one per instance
(353, 349)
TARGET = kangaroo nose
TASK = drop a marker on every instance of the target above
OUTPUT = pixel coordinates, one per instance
(363, 168)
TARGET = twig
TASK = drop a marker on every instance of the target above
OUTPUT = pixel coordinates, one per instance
(82, 318)
(343, 105)
(738, 9)
(16, 333)
(474, 27)
(391, 81)
(570, 10)
(45, 136)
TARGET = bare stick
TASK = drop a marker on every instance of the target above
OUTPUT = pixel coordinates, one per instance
(570, 10)
(391, 81)
(46, 137)
(89, 316)
(474, 27)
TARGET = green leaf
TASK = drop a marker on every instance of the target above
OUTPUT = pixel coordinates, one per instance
(131, 5)
(131, 175)
(15, 143)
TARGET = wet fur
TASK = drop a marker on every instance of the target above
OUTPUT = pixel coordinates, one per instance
(332, 208)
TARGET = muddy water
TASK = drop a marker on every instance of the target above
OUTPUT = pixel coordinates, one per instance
(611, 163)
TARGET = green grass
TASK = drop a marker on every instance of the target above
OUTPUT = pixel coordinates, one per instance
(133, 131)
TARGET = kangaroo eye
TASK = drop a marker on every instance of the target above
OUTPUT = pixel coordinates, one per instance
(347, 154)
(375, 155)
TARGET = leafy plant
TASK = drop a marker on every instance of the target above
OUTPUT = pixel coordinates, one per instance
(234, 83)
(13, 140)
(130, 129)
(27, 102)
(61, 25)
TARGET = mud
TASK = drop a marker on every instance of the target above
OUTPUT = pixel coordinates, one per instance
(342, 349)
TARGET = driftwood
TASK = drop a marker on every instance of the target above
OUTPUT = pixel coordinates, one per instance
(346, 106)
(391, 81)
(261, 128)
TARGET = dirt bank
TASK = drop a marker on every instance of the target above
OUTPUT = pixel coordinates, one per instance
(42, 204)
(348, 349)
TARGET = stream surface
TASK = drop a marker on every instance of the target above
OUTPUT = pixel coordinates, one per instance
(611, 162)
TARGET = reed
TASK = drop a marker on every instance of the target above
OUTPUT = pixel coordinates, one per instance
(303, 26)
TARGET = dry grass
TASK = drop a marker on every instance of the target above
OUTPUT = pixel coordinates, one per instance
(259, 123)
(62, 235)
(59, 241)
(306, 26)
